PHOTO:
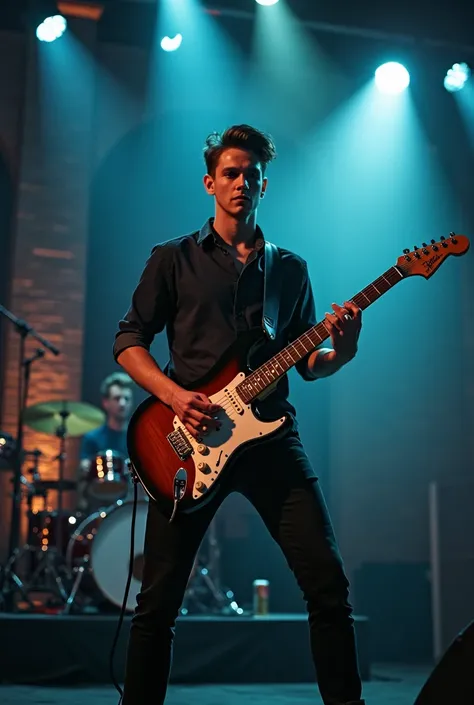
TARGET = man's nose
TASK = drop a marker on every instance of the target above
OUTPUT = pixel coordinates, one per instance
(243, 183)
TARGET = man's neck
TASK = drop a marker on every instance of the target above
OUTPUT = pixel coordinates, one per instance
(236, 233)
(116, 425)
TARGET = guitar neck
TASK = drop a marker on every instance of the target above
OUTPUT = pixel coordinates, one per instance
(268, 373)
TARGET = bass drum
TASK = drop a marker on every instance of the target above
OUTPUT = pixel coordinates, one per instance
(102, 545)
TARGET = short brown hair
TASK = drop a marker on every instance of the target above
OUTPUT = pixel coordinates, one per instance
(121, 379)
(242, 137)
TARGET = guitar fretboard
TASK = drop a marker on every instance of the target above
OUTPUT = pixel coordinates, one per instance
(279, 364)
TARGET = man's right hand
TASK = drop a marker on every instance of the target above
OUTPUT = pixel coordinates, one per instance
(195, 411)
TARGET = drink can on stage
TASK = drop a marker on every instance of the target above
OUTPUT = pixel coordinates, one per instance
(261, 589)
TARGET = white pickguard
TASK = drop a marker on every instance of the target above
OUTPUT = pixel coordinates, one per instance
(239, 425)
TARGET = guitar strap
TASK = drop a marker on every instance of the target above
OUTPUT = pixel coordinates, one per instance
(272, 280)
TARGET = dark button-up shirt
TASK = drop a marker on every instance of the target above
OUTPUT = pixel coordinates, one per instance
(194, 288)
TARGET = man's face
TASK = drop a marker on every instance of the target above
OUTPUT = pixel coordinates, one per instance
(118, 404)
(238, 183)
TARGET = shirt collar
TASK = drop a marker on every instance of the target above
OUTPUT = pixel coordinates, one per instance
(207, 231)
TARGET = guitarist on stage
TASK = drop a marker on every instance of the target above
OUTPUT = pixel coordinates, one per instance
(206, 290)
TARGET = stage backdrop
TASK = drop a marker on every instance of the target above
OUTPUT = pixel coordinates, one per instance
(107, 138)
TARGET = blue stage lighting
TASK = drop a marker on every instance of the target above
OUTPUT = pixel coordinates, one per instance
(51, 28)
(392, 78)
(171, 43)
(267, 2)
(457, 77)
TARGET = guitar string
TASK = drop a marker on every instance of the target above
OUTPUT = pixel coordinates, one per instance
(227, 405)
(386, 277)
(360, 295)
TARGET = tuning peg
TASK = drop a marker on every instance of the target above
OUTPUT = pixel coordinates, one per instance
(442, 237)
(452, 234)
(433, 241)
(416, 247)
(423, 244)
(406, 251)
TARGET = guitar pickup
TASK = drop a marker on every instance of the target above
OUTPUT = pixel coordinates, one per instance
(234, 400)
(180, 444)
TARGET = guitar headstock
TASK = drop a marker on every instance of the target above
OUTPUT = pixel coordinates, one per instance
(425, 260)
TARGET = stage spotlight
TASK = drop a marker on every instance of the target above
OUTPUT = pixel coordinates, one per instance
(457, 77)
(392, 78)
(45, 18)
(51, 28)
(171, 43)
(267, 2)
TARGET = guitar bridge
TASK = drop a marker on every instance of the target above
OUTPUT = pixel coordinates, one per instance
(180, 444)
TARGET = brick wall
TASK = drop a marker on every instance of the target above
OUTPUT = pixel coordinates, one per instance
(49, 222)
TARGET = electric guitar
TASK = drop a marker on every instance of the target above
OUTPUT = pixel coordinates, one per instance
(178, 471)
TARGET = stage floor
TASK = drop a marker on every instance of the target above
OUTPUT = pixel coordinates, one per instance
(63, 650)
(391, 685)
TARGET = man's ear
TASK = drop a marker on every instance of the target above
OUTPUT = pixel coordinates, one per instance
(209, 184)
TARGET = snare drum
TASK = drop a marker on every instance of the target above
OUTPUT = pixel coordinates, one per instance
(102, 544)
(108, 478)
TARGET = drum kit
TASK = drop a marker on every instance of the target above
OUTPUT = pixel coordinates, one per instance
(80, 559)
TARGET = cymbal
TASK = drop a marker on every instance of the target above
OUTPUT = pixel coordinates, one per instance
(42, 485)
(47, 417)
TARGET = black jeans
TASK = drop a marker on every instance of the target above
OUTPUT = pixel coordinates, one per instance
(274, 477)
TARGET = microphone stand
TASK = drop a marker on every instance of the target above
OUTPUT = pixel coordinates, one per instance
(11, 582)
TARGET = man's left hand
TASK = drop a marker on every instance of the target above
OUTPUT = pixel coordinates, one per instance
(344, 327)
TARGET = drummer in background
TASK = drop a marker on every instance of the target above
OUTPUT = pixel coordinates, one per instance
(117, 400)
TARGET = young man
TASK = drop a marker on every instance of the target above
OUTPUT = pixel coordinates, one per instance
(206, 289)
(116, 392)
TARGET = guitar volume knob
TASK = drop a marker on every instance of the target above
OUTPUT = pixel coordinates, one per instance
(202, 449)
(204, 468)
(201, 487)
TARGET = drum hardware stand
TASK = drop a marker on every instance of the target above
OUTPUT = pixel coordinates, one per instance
(48, 564)
(10, 581)
(80, 570)
(61, 433)
(206, 581)
(31, 490)
(7, 569)
(52, 560)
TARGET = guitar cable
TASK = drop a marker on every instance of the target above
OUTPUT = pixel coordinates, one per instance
(127, 590)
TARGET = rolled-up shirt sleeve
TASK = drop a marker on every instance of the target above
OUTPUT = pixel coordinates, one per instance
(304, 317)
(152, 303)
